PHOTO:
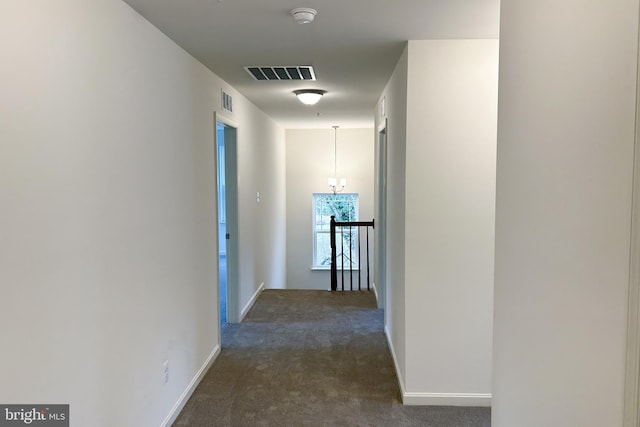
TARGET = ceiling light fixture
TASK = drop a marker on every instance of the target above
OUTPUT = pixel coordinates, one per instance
(304, 15)
(309, 96)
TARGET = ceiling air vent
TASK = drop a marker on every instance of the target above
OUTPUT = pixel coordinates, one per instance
(295, 72)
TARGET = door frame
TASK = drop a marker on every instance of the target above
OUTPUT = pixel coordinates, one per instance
(231, 199)
(632, 371)
(632, 375)
(381, 214)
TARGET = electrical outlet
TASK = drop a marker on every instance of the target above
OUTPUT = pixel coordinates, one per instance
(165, 369)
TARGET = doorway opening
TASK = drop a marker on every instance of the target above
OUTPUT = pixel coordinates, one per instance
(222, 223)
(381, 220)
(227, 180)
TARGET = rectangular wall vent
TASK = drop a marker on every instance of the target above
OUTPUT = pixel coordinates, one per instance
(282, 72)
(227, 102)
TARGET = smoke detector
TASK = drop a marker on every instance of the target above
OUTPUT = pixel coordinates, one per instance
(304, 15)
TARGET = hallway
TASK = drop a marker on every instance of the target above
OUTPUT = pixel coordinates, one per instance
(312, 358)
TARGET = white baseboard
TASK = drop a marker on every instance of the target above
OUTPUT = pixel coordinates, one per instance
(395, 360)
(252, 301)
(184, 397)
(375, 292)
(446, 399)
(435, 399)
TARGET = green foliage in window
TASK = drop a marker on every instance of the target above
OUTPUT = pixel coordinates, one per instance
(345, 209)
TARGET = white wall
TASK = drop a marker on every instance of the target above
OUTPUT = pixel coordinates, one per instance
(107, 193)
(565, 162)
(394, 97)
(441, 105)
(309, 154)
(262, 225)
(450, 214)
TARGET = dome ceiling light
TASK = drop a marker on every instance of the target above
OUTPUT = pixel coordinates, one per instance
(309, 96)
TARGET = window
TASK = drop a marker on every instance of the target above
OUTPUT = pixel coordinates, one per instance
(345, 208)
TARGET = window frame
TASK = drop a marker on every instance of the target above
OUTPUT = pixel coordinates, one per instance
(315, 232)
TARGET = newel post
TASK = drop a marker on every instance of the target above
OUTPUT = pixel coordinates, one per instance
(334, 258)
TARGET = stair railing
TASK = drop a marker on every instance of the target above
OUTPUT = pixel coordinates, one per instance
(349, 227)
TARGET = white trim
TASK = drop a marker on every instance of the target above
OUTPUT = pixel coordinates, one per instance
(316, 232)
(312, 268)
(447, 399)
(375, 292)
(252, 301)
(632, 372)
(395, 360)
(380, 243)
(221, 117)
(232, 215)
(435, 399)
(184, 397)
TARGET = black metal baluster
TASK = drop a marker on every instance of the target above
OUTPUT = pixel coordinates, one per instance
(334, 263)
(350, 257)
(334, 266)
(342, 253)
(359, 261)
(368, 258)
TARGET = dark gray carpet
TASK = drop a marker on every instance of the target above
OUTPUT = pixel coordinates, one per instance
(311, 358)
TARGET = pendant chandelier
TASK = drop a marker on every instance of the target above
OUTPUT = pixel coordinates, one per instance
(334, 181)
